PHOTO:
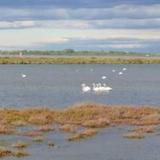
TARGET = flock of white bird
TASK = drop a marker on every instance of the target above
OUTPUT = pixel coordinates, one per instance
(98, 87)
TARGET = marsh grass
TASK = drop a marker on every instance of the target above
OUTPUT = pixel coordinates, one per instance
(86, 115)
(6, 129)
(38, 139)
(68, 128)
(97, 123)
(81, 121)
(146, 129)
(5, 152)
(46, 128)
(78, 60)
(19, 145)
(83, 134)
(33, 133)
(134, 135)
(20, 153)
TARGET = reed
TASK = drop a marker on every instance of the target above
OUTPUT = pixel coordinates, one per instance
(19, 145)
(20, 153)
(68, 128)
(78, 60)
(134, 135)
(85, 115)
(5, 152)
(84, 134)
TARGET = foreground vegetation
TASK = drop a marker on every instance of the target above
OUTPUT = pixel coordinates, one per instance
(79, 121)
(80, 60)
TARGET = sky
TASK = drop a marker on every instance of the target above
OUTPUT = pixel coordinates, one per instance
(117, 25)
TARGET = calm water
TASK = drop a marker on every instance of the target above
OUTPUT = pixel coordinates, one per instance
(60, 85)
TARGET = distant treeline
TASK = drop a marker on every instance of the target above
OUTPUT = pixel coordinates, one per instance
(71, 52)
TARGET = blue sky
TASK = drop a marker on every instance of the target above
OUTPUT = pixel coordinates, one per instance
(124, 25)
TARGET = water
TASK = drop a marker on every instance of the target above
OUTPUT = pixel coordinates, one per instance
(60, 85)
(107, 145)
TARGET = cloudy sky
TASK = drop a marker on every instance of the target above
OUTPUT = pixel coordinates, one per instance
(127, 25)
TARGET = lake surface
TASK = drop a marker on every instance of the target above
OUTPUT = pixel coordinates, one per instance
(60, 85)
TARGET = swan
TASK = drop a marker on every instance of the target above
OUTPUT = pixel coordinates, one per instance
(99, 88)
(85, 88)
(103, 77)
(113, 70)
(95, 87)
(124, 69)
(120, 73)
(105, 88)
(23, 75)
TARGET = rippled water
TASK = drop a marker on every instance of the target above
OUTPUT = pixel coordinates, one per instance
(109, 144)
(60, 85)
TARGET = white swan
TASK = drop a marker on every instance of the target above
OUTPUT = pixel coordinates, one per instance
(103, 77)
(124, 69)
(120, 73)
(95, 87)
(85, 88)
(113, 70)
(99, 88)
(105, 88)
(23, 75)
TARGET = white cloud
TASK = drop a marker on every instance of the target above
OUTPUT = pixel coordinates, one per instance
(120, 46)
(37, 37)
(16, 24)
(29, 38)
(83, 24)
(57, 24)
(117, 33)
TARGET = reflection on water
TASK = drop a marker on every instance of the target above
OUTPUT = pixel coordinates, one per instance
(60, 85)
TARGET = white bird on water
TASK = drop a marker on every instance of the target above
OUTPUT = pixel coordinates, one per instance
(105, 88)
(120, 73)
(99, 88)
(103, 77)
(113, 70)
(124, 69)
(95, 87)
(23, 75)
(85, 88)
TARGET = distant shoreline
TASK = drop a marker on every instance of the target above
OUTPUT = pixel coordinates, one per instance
(32, 59)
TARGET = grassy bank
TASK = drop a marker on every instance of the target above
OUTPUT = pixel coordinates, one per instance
(80, 60)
